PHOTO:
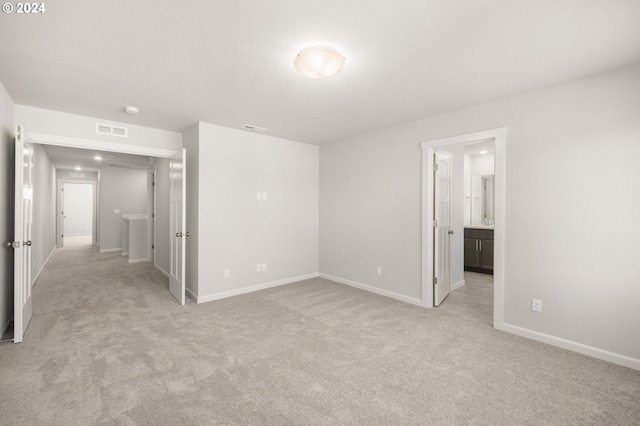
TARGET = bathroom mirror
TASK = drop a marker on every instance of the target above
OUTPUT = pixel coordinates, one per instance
(482, 200)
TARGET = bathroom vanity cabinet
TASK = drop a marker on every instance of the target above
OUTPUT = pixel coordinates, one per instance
(478, 250)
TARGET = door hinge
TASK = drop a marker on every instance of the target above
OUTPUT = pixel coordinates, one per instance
(153, 215)
(435, 167)
(435, 223)
(435, 280)
(153, 246)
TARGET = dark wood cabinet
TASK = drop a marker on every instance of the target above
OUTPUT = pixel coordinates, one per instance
(478, 250)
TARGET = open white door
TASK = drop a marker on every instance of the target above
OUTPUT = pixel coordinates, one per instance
(178, 218)
(22, 236)
(442, 226)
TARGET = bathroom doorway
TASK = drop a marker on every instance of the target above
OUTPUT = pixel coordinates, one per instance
(456, 145)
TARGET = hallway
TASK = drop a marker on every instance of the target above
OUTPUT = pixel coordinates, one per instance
(78, 277)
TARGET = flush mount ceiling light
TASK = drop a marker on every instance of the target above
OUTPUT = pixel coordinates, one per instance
(78, 168)
(132, 110)
(319, 62)
(97, 158)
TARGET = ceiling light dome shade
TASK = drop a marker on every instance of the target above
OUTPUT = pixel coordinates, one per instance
(319, 62)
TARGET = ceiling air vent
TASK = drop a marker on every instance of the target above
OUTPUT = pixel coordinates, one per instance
(107, 129)
(254, 128)
(114, 164)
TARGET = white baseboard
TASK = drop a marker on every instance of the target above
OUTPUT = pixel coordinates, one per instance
(376, 290)
(142, 259)
(457, 285)
(165, 273)
(591, 351)
(125, 253)
(110, 250)
(251, 289)
(33, 282)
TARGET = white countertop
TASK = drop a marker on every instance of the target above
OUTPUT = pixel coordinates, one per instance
(479, 226)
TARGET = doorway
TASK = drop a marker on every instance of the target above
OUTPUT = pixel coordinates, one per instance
(97, 151)
(76, 213)
(429, 236)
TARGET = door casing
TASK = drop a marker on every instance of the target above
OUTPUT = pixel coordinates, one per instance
(498, 135)
(71, 142)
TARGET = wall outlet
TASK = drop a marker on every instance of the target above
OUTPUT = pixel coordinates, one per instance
(536, 305)
(264, 267)
(116, 211)
(226, 273)
(264, 196)
(379, 270)
(259, 196)
(259, 267)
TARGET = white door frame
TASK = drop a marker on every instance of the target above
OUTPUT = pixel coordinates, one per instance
(498, 135)
(71, 142)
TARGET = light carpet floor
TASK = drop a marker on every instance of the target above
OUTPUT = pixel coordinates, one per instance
(108, 345)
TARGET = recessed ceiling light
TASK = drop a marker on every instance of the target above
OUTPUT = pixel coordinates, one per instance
(319, 62)
(78, 168)
(132, 110)
(484, 152)
(97, 157)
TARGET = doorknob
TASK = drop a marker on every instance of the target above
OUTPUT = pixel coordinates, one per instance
(178, 234)
(28, 243)
(186, 234)
(450, 232)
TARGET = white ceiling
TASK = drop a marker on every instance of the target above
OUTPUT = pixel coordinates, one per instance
(230, 62)
(70, 158)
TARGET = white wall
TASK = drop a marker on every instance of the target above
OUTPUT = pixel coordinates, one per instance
(7, 134)
(43, 230)
(162, 249)
(580, 257)
(124, 189)
(65, 175)
(467, 190)
(50, 122)
(457, 214)
(78, 209)
(236, 230)
(482, 164)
